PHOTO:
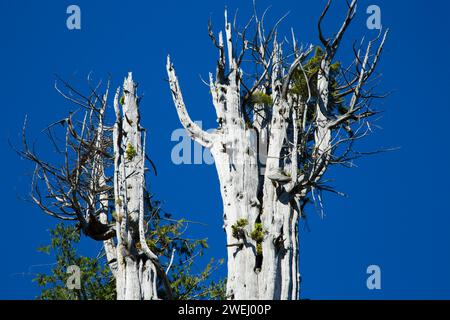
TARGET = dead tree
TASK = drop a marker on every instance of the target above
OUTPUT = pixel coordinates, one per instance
(279, 130)
(100, 183)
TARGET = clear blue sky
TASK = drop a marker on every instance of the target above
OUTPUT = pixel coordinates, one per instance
(397, 214)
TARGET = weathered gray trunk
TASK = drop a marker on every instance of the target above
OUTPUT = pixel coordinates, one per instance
(271, 152)
(259, 217)
(248, 194)
(136, 273)
(106, 200)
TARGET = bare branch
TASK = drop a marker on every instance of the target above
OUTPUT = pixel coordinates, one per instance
(194, 131)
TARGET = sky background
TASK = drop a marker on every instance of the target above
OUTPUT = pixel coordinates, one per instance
(397, 212)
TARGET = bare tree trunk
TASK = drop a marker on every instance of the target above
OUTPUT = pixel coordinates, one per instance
(269, 159)
(136, 274)
(257, 268)
(93, 176)
(261, 229)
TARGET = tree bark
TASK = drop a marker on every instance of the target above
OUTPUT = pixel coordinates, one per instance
(271, 158)
(259, 219)
(136, 273)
